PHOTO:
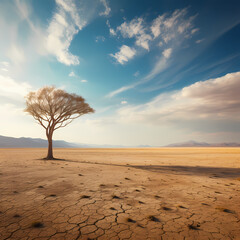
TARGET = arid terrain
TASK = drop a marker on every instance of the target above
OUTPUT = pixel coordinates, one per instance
(164, 193)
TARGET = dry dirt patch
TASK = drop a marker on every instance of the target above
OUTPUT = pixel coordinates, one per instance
(120, 194)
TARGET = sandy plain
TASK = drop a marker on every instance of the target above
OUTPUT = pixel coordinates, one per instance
(164, 193)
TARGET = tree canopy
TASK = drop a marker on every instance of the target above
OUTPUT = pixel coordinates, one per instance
(54, 108)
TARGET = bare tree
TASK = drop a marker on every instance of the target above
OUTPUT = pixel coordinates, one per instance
(54, 108)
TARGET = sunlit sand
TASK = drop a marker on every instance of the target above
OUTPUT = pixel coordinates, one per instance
(168, 193)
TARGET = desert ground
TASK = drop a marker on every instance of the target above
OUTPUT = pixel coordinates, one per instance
(148, 193)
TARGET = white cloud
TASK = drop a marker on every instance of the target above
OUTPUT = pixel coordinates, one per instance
(161, 64)
(156, 26)
(124, 55)
(11, 111)
(136, 74)
(169, 27)
(72, 74)
(64, 25)
(199, 41)
(68, 18)
(169, 32)
(66, 22)
(194, 30)
(4, 63)
(167, 52)
(143, 41)
(24, 9)
(112, 32)
(12, 89)
(107, 8)
(124, 102)
(4, 69)
(214, 99)
(16, 54)
(100, 39)
(136, 29)
(131, 29)
(174, 19)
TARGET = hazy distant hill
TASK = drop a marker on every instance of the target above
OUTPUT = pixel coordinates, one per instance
(10, 142)
(203, 144)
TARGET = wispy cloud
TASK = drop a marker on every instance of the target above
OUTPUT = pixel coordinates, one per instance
(136, 74)
(156, 26)
(124, 55)
(107, 10)
(100, 39)
(13, 89)
(4, 63)
(136, 29)
(84, 80)
(111, 30)
(214, 99)
(122, 89)
(167, 31)
(64, 25)
(69, 17)
(72, 74)
(199, 40)
(16, 54)
(4, 66)
(167, 52)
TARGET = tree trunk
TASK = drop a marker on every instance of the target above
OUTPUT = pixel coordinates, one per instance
(50, 148)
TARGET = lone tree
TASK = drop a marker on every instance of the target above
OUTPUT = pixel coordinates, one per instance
(54, 108)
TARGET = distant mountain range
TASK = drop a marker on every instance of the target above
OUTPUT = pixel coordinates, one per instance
(11, 142)
(203, 144)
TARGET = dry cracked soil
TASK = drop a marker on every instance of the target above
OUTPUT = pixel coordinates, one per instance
(164, 193)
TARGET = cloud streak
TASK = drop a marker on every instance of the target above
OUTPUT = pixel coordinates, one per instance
(213, 99)
(167, 32)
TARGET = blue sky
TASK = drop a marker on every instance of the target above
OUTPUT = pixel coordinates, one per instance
(156, 72)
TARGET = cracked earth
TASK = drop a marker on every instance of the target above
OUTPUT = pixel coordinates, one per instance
(166, 193)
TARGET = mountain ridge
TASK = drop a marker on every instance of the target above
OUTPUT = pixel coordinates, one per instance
(193, 143)
(25, 142)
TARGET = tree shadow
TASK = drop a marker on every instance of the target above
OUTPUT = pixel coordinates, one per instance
(56, 159)
(214, 172)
